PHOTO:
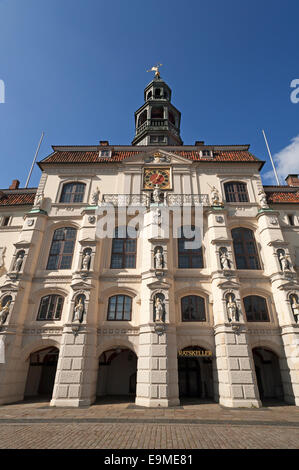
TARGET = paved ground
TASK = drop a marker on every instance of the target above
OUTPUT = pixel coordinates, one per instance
(109, 425)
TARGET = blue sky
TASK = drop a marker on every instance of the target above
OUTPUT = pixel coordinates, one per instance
(76, 69)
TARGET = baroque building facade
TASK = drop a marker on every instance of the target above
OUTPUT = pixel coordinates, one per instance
(84, 316)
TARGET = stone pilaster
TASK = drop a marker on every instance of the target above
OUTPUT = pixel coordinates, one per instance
(157, 378)
(237, 382)
(283, 284)
(76, 376)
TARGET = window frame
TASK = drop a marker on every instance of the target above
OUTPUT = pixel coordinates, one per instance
(236, 194)
(202, 302)
(61, 253)
(255, 320)
(246, 256)
(117, 296)
(124, 253)
(53, 301)
(189, 253)
(72, 193)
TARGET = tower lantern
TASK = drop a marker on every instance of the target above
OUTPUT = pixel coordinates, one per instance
(157, 121)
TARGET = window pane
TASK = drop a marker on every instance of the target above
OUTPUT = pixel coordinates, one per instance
(130, 261)
(68, 247)
(116, 261)
(66, 262)
(52, 262)
(118, 246)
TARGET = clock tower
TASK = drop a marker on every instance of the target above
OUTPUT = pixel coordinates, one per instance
(157, 121)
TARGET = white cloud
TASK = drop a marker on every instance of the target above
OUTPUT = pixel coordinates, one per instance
(286, 161)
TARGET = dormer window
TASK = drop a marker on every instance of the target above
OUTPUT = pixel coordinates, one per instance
(207, 153)
(106, 153)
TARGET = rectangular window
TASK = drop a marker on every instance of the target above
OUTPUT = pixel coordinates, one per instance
(5, 221)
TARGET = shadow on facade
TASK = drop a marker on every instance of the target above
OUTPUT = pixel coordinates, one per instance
(196, 381)
(117, 376)
(268, 376)
(41, 374)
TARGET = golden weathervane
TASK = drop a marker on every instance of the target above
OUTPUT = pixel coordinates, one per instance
(155, 69)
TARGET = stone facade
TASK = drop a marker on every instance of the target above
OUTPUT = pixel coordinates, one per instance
(193, 171)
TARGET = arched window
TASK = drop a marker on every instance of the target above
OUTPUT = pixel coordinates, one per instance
(123, 250)
(193, 308)
(142, 118)
(256, 308)
(157, 112)
(189, 258)
(72, 192)
(245, 249)
(120, 308)
(50, 307)
(62, 248)
(236, 192)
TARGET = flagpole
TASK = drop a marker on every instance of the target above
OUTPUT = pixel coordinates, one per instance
(35, 157)
(274, 169)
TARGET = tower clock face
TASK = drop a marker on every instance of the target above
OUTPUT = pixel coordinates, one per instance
(159, 176)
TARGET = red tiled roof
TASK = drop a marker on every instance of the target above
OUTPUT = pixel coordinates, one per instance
(85, 157)
(221, 156)
(70, 156)
(17, 199)
(285, 197)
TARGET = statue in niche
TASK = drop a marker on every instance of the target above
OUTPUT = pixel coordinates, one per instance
(263, 199)
(95, 197)
(232, 309)
(18, 262)
(157, 217)
(4, 311)
(86, 261)
(157, 194)
(78, 311)
(159, 306)
(215, 196)
(295, 307)
(284, 262)
(224, 259)
(159, 259)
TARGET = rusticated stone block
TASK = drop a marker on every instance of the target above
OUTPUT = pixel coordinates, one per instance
(237, 391)
(241, 377)
(142, 390)
(70, 377)
(158, 377)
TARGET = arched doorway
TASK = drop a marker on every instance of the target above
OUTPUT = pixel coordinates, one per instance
(268, 376)
(41, 373)
(195, 372)
(117, 374)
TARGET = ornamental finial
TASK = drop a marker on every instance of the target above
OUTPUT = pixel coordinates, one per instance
(155, 69)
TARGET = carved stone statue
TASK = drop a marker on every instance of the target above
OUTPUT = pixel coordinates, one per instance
(224, 260)
(284, 262)
(263, 199)
(78, 311)
(157, 194)
(295, 308)
(159, 259)
(95, 197)
(157, 217)
(4, 311)
(38, 200)
(86, 261)
(232, 309)
(215, 197)
(18, 263)
(159, 309)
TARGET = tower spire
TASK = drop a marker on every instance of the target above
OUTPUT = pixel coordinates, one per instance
(157, 121)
